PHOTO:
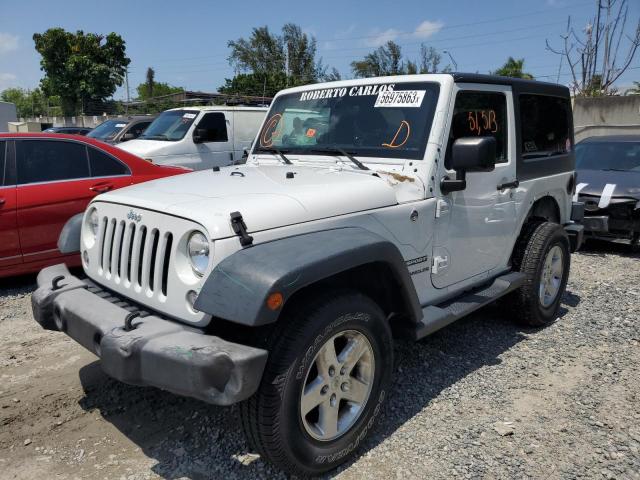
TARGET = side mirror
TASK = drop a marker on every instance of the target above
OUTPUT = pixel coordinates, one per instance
(245, 153)
(469, 154)
(200, 135)
(128, 136)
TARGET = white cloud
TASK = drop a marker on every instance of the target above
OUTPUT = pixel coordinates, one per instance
(423, 31)
(8, 42)
(427, 29)
(7, 80)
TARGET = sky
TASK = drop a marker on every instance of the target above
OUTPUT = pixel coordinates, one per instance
(186, 42)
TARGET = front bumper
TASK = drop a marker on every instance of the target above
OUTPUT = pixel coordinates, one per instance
(157, 352)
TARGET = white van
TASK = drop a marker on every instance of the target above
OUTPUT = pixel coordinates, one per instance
(199, 137)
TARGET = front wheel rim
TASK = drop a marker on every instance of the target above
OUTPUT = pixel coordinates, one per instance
(337, 385)
(551, 276)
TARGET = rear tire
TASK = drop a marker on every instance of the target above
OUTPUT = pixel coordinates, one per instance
(542, 253)
(333, 358)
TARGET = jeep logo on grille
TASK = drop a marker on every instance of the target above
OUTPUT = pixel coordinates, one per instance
(136, 217)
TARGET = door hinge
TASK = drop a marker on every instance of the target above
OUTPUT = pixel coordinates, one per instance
(442, 208)
(439, 264)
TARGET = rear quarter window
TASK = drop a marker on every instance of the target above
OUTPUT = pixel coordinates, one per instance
(544, 125)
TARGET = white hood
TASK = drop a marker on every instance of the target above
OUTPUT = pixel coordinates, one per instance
(264, 195)
(147, 148)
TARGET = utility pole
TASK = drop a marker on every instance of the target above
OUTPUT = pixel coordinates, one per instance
(455, 64)
(126, 82)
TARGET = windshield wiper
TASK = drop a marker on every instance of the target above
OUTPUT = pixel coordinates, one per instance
(278, 151)
(614, 170)
(339, 151)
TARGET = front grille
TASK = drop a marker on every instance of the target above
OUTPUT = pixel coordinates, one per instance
(135, 255)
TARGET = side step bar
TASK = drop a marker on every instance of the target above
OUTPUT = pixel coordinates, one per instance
(436, 317)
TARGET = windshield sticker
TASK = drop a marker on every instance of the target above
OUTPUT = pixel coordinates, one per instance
(395, 143)
(482, 121)
(402, 98)
(360, 91)
(121, 125)
(311, 132)
(271, 131)
(190, 116)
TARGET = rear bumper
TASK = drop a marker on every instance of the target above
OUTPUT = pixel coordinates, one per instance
(157, 352)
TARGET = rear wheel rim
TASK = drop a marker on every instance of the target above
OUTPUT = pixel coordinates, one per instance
(551, 276)
(337, 385)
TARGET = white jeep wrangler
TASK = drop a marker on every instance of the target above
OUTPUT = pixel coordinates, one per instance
(367, 210)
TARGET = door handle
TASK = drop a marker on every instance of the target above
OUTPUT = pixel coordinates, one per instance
(514, 184)
(101, 187)
(2, 201)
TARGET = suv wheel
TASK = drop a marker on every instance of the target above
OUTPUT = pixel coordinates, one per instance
(329, 370)
(542, 253)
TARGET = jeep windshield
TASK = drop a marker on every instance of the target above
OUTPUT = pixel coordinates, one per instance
(603, 155)
(377, 120)
(171, 125)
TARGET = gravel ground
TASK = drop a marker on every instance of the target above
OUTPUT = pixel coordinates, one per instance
(479, 399)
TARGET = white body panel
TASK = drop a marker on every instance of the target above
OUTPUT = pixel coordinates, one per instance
(242, 126)
(477, 232)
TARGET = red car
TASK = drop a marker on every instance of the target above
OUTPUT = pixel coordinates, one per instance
(45, 179)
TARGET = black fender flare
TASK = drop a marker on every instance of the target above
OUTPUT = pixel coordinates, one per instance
(69, 239)
(238, 287)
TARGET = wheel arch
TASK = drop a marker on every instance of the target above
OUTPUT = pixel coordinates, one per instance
(353, 258)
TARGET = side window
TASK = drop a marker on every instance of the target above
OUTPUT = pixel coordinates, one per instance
(480, 114)
(3, 155)
(216, 127)
(102, 165)
(50, 160)
(544, 125)
(138, 128)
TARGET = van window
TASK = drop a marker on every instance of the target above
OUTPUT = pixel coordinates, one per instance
(171, 125)
(102, 165)
(480, 114)
(216, 126)
(50, 160)
(544, 125)
(3, 148)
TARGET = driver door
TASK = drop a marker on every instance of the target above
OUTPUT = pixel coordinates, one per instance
(216, 146)
(474, 225)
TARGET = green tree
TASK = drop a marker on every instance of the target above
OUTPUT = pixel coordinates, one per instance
(149, 83)
(31, 103)
(159, 89)
(267, 62)
(80, 68)
(388, 60)
(635, 90)
(385, 60)
(513, 68)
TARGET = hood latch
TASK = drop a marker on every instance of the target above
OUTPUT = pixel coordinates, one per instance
(240, 229)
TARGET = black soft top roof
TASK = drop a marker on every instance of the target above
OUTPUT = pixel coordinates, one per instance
(612, 139)
(518, 84)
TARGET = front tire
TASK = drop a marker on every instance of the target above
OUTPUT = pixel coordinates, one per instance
(329, 370)
(543, 254)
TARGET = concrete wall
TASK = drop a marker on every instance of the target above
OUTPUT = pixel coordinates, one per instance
(7, 114)
(89, 121)
(606, 116)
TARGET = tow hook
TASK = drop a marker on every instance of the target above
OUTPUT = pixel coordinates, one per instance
(128, 321)
(55, 283)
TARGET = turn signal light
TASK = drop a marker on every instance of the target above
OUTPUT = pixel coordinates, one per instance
(275, 301)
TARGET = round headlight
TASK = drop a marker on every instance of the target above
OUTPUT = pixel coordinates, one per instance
(90, 230)
(198, 252)
(93, 222)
